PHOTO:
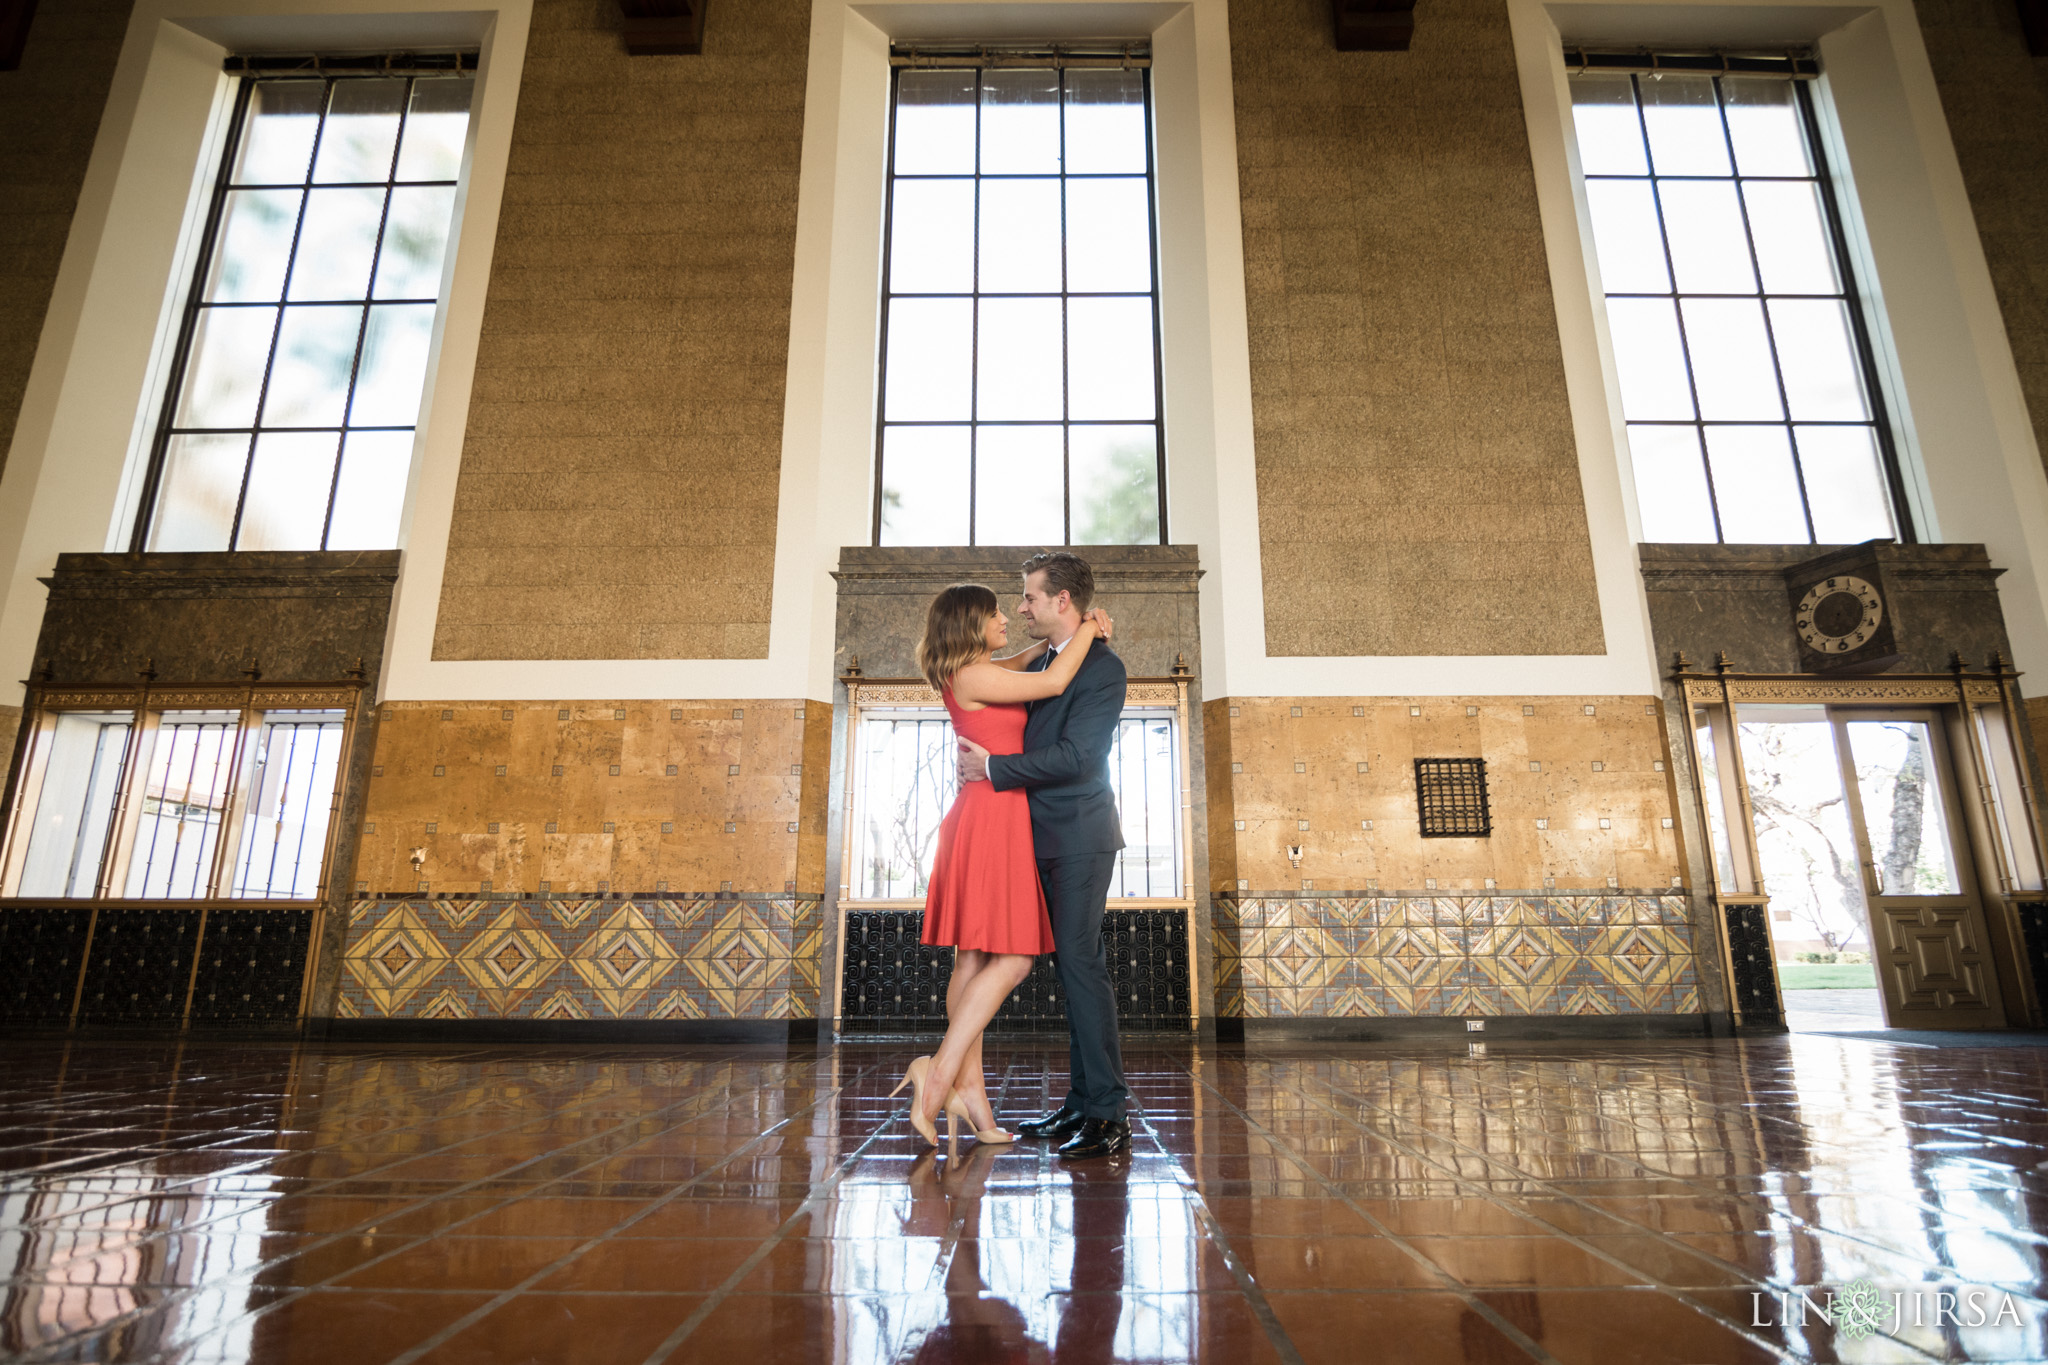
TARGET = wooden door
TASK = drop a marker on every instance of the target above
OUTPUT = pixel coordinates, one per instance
(1927, 931)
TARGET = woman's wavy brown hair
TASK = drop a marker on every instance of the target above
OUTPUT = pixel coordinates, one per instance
(953, 628)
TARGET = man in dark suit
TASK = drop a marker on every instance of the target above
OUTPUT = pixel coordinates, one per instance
(1074, 823)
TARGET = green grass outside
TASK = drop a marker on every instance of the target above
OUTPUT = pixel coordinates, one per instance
(1826, 976)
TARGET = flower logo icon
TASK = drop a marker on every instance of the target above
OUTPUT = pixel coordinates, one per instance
(1858, 1309)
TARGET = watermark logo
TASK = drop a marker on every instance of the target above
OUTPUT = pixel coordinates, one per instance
(1859, 1309)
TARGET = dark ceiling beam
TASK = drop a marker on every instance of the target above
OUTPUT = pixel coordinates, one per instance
(2034, 23)
(666, 28)
(1380, 25)
(14, 20)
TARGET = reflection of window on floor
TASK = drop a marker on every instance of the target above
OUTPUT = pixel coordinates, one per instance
(269, 787)
(904, 770)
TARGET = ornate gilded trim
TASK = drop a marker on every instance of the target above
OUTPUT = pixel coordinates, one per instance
(123, 699)
(334, 696)
(304, 698)
(870, 693)
(1840, 691)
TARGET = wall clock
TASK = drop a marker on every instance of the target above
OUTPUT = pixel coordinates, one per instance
(1838, 615)
(1842, 613)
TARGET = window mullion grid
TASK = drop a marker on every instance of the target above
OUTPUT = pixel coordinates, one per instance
(291, 271)
(1764, 306)
(355, 367)
(1066, 308)
(974, 328)
(1677, 310)
(888, 307)
(1859, 331)
(184, 806)
(1158, 318)
(312, 788)
(189, 324)
(291, 746)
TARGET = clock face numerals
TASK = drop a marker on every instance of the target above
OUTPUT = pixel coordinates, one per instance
(1838, 615)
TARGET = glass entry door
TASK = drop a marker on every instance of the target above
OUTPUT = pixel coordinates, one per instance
(1875, 921)
(1926, 922)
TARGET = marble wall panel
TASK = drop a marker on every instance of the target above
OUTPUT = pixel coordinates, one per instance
(814, 796)
(301, 616)
(1579, 789)
(884, 592)
(1712, 599)
(595, 796)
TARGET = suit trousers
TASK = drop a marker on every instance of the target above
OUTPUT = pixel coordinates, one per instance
(1076, 894)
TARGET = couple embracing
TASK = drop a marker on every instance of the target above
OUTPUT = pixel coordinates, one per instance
(1026, 853)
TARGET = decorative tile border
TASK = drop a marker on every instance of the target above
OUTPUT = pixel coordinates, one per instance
(732, 957)
(1299, 956)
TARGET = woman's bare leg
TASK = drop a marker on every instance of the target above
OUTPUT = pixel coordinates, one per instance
(969, 1082)
(969, 1008)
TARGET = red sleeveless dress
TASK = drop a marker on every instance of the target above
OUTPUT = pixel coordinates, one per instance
(984, 891)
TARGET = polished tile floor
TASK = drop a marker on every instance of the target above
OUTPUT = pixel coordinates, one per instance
(1646, 1202)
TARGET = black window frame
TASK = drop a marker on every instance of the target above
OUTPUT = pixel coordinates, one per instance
(249, 72)
(1799, 71)
(973, 422)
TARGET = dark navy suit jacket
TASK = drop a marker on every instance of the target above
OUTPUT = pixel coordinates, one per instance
(1065, 764)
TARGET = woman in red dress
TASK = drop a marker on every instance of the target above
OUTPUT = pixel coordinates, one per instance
(984, 899)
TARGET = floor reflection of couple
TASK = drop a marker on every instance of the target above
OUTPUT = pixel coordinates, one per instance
(946, 1202)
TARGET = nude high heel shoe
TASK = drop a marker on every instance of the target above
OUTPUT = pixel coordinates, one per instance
(913, 1076)
(956, 1108)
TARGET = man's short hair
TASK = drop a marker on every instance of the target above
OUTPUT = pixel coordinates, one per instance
(1065, 572)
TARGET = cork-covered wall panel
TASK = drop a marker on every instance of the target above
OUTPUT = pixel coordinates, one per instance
(592, 796)
(1414, 443)
(1579, 790)
(51, 109)
(617, 498)
(1996, 97)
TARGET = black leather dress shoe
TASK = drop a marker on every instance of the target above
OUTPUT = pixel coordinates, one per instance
(1062, 1124)
(1098, 1137)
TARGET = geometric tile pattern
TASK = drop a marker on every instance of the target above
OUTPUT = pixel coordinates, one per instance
(723, 957)
(1281, 956)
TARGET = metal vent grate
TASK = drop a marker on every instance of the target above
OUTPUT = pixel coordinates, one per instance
(1451, 794)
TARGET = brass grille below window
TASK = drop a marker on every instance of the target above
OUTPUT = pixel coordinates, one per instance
(1451, 795)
